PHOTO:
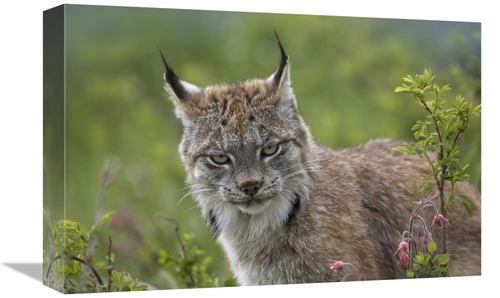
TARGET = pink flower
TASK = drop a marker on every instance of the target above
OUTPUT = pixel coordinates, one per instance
(337, 265)
(439, 220)
(404, 259)
(426, 239)
(350, 270)
(403, 248)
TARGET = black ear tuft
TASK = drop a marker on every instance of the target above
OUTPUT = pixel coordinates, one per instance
(173, 81)
(278, 77)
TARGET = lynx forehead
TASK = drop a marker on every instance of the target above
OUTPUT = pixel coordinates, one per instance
(233, 103)
(282, 205)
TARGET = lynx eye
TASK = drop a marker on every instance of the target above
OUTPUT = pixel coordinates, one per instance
(270, 150)
(220, 159)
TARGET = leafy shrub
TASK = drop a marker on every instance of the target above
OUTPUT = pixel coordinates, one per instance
(439, 133)
(72, 270)
(192, 266)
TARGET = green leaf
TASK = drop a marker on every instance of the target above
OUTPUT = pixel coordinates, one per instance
(447, 177)
(421, 80)
(432, 247)
(416, 91)
(100, 223)
(408, 79)
(452, 198)
(410, 274)
(476, 110)
(441, 91)
(401, 89)
(444, 161)
(417, 126)
(462, 175)
(465, 202)
(416, 266)
(444, 259)
(401, 149)
(107, 217)
(140, 288)
(428, 74)
(405, 149)
(420, 258)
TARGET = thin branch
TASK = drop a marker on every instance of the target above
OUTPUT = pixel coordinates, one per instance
(110, 264)
(182, 249)
(91, 268)
(443, 206)
(436, 127)
(74, 258)
(444, 169)
(457, 138)
(50, 266)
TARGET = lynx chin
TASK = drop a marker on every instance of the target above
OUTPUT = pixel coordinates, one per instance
(282, 206)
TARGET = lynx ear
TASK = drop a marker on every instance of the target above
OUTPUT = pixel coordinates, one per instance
(280, 80)
(181, 91)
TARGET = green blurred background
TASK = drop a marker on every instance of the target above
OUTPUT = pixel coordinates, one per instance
(344, 71)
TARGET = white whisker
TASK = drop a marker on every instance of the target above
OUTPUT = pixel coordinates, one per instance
(191, 193)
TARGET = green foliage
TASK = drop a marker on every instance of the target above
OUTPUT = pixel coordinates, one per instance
(192, 267)
(122, 282)
(69, 239)
(437, 137)
(429, 264)
(440, 133)
(72, 270)
(464, 202)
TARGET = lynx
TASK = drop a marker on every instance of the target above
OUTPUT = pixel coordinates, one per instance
(283, 206)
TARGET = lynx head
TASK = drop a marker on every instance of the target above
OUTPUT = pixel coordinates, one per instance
(246, 149)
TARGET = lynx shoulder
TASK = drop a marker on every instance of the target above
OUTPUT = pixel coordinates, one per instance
(282, 206)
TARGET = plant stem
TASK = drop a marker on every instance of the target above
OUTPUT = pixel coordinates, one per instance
(182, 249)
(191, 282)
(50, 266)
(436, 126)
(74, 258)
(91, 268)
(444, 169)
(443, 209)
(110, 265)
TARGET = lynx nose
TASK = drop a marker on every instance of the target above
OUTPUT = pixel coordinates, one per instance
(250, 188)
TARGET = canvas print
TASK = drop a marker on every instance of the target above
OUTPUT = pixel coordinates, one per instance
(193, 149)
